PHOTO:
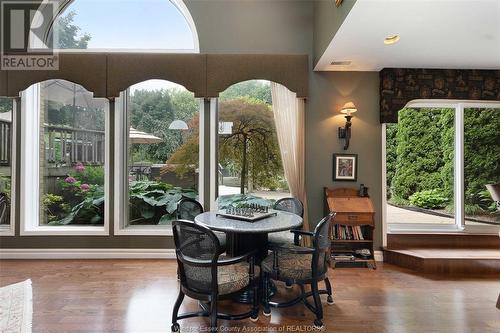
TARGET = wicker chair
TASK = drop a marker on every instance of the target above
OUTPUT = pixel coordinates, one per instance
(187, 209)
(208, 277)
(281, 238)
(302, 266)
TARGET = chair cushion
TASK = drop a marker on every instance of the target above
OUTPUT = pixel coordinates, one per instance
(230, 278)
(281, 237)
(290, 265)
(235, 277)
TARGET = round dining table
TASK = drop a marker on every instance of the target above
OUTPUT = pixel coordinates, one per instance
(244, 236)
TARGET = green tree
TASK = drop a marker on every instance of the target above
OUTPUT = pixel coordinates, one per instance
(69, 34)
(252, 147)
(255, 89)
(153, 112)
(5, 104)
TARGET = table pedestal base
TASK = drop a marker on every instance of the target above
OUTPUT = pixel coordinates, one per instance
(238, 244)
(241, 243)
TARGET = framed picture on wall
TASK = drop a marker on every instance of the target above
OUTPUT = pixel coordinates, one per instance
(345, 167)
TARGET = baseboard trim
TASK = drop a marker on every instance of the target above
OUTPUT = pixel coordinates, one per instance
(101, 254)
(87, 253)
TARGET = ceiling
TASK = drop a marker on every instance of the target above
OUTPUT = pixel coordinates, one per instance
(434, 34)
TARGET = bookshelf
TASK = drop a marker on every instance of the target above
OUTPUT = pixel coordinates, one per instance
(353, 227)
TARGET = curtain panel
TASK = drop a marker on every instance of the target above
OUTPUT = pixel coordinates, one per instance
(289, 117)
(398, 86)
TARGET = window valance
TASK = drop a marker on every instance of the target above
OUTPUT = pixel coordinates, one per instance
(224, 70)
(106, 74)
(398, 86)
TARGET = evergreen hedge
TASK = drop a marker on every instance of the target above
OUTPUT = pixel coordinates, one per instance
(420, 153)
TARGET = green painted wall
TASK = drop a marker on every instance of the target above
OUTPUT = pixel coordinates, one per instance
(327, 20)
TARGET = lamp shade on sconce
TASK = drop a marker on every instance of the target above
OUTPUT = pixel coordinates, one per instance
(348, 108)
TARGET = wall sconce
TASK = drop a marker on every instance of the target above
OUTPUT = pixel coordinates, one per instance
(345, 133)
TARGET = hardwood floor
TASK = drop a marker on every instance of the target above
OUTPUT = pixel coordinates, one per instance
(138, 296)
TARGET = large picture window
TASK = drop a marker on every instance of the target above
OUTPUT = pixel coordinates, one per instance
(443, 166)
(481, 166)
(249, 159)
(160, 127)
(6, 163)
(64, 137)
(420, 162)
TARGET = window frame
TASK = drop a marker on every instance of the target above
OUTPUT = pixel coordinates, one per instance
(10, 229)
(30, 197)
(459, 226)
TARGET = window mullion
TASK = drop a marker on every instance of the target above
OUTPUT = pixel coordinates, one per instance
(459, 166)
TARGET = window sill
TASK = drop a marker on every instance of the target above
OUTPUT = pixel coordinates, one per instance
(7, 230)
(65, 231)
(145, 230)
(423, 228)
(452, 229)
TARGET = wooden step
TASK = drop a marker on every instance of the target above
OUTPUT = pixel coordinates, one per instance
(443, 240)
(464, 262)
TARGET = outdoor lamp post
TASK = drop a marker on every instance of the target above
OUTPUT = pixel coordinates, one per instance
(180, 126)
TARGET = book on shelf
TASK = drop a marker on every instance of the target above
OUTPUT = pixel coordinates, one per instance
(347, 232)
(343, 257)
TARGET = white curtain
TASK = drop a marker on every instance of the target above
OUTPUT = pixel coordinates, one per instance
(289, 119)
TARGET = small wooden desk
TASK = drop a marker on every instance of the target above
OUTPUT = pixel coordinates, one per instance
(352, 210)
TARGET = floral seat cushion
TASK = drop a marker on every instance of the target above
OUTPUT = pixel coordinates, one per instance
(230, 278)
(290, 266)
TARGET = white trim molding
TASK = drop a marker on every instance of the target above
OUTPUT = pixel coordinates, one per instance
(378, 255)
(102, 254)
(87, 254)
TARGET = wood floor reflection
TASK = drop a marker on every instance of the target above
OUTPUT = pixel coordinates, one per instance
(138, 296)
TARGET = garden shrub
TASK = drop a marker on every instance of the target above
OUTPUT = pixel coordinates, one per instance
(154, 202)
(420, 155)
(419, 152)
(481, 154)
(430, 199)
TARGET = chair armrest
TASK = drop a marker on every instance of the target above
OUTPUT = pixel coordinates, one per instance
(237, 259)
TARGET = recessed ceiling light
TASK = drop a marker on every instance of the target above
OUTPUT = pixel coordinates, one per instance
(341, 63)
(392, 39)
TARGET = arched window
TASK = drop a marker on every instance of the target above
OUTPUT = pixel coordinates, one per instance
(249, 159)
(64, 145)
(159, 145)
(7, 121)
(152, 25)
